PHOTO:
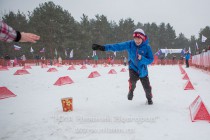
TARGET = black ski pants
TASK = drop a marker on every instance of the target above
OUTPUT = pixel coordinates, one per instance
(134, 77)
(187, 63)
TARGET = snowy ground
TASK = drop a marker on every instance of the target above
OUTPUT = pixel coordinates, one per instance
(101, 109)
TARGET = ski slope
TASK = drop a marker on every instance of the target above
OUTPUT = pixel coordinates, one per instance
(101, 110)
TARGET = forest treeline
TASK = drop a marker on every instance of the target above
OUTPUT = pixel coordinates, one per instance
(61, 32)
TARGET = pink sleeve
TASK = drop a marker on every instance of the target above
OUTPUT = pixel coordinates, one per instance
(7, 33)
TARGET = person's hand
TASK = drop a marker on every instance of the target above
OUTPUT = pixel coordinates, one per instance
(139, 56)
(29, 37)
(98, 47)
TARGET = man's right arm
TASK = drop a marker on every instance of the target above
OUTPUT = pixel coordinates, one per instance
(8, 34)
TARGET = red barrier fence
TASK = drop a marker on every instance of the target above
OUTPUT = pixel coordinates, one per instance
(169, 62)
(76, 62)
(202, 60)
(48, 62)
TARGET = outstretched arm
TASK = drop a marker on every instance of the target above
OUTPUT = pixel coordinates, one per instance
(111, 47)
(8, 34)
(98, 47)
(29, 37)
(117, 47)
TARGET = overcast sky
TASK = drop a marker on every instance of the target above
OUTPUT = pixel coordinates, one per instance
(186, 16)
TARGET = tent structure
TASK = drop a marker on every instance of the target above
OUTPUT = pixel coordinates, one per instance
(123, 70)
(5, 93)
(167, 51)
(52, 70)
(21, 72)
(112, 71)
(71, 68)
(3, 68)
(83, 67)
(94, 74)
(63, 81)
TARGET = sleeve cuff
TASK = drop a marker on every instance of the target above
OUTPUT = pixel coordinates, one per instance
(18, 37)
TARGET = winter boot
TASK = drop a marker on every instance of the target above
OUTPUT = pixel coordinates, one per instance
(150, 102)
(130, 95)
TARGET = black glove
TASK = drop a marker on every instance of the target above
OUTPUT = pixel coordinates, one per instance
(98, 47)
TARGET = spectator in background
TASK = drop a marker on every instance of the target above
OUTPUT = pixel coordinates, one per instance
(187, 57)
(37, 59)
(95, 58)
(8, 34)
(109, 60)
(181, 59)
(6, 60)
(23, 58)
(43, 59)
(174, 60)
(112, 61)
(125, 61)
(15, 62)
(60, 60)
(51, 62)
(54, 61)
(162, 61)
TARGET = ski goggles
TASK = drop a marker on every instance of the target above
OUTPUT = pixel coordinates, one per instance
(139, 35)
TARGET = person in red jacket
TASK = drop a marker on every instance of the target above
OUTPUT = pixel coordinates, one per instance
(109, 60)
(8, 34)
